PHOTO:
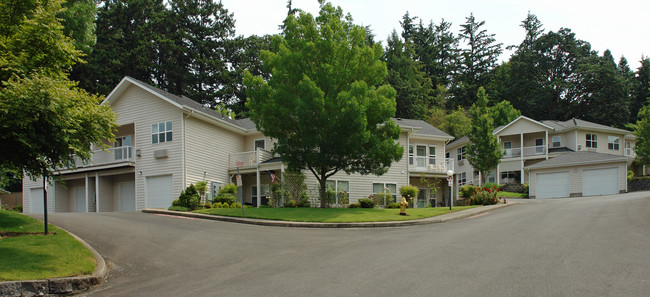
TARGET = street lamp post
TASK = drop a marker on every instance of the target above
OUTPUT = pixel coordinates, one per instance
(450, 177)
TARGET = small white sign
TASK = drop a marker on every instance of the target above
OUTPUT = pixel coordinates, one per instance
(451, 180)
(451, 183)
(239, 183)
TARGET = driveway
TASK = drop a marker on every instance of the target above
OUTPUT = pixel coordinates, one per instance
(591, 246)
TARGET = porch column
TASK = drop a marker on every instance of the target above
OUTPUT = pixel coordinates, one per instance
(498, 175)
(281, 180)
(96, 191)
(546, 143)
(480, 179)
(259, 189)
(86, 192)
(521, 157)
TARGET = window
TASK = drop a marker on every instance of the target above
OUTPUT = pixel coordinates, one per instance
(421, 158)
(122, 147)
(539, 145)
(557, 141)
(260, 144)
(384, 188)
(507, 149)
(462, 178)
(410, 154)
(613, 143)
(339, 186)
(628, 148)
(461, 153)
(432, 155)
(161, 132)
(592, 141)
(447, 155)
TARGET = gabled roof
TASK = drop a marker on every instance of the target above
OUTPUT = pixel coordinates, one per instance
(578, 158)
(181, 102)
(520, 118)
(572, 124)
(458, 142)
(422, 128)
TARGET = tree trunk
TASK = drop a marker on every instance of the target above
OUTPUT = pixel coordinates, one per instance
(322, 191)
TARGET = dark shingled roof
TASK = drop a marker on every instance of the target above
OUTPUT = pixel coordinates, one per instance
(559, 126)
(425, 128)
(578, 158)
(457, 141)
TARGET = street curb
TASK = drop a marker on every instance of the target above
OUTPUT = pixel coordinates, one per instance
(437, 219)
(62, 286)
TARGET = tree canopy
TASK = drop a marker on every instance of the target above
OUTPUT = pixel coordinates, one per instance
(324, 102)
(44, 117)
(483, 152)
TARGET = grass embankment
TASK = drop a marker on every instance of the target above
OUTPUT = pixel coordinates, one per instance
(37, 256)
(332, 215)
(512, 195)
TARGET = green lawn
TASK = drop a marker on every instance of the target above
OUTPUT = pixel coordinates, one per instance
(332, 215)
(38, 256)
(512, 195)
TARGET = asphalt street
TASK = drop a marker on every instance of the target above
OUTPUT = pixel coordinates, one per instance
(590, 246)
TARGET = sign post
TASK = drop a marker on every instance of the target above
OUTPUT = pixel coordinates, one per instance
(239, 184)
(450, 178)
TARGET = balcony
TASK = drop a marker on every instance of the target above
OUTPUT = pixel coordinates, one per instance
(431, 165)
(112, 157)
(529, 151)
(249, 159)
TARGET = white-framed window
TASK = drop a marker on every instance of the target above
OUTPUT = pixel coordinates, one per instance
(461, 153)
(628, 148)
(539, 145)
(410, 154)
(339, 186)
(421, 155)
(384, 188)
(260, 144)
(613, 143)
(122, 147)
(557, 141)
(462, 178)
(591, 140)
(161, 132)
(432, 155)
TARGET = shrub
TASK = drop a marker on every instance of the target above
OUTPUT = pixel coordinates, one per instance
(630, 174)
(207, 205)
(229, 188)
(526, 189)
(235, 205)
(176, 202)
(217, 205)
(483, 196)
(189, 198)
(393, 205)
(178, 208)
(225, 198)
(491, 185)
(290, 203)
(409, 192)
(354, 205)
(18, 208)
(366, 203)
(467, 191)
(250, 206)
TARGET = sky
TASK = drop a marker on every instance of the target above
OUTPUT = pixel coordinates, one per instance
(622, 26)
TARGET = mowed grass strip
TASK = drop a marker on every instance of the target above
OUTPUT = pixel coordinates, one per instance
(28, 257)
(332, 215)
(512, 195)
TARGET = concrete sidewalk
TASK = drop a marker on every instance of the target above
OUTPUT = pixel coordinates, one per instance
(437, 219)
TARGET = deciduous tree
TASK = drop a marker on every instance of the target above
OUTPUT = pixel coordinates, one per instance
(324, 102)
(483, 152)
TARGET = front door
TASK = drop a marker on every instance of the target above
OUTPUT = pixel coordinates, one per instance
(79, 203)
(127, 196)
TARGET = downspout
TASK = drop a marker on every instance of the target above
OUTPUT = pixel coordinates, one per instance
(96, 191)
(259, 188)
(408, 144)
(183, 163)
(521, 157)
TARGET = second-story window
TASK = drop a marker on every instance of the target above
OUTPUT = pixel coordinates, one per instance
(613, 143)
(592, 141)
(260, 144)
(161, 132)
(461, 153)
(432, 155)
(557, 141)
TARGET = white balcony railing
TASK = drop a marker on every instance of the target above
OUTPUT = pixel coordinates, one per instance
(123, 154)
(249, 159)
(430, 165)
(528, 151)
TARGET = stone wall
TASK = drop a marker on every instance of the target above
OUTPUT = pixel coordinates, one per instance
(638, 185)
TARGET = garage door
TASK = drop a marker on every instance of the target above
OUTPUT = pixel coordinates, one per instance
(553, 185)
(159, 191)
(600, 182)
(36, 200)
(127, 196)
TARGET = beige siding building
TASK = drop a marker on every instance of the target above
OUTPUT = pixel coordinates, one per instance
(166, 142)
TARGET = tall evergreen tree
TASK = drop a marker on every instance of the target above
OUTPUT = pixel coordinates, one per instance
(476, 60)
(414, 89)
(640, 88)
(606, 100)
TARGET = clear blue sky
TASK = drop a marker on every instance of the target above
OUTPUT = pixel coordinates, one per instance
(621, 26)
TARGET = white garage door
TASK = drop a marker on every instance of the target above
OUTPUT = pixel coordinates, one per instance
(36, 200)
(553, 185)
(600, 182)
(159, 191)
